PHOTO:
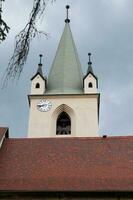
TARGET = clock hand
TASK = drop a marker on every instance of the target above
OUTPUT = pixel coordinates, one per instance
(39, 105)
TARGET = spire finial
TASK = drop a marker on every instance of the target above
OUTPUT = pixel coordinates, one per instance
(89, 63)
(39, 70)
(67, 20)
(40, 63)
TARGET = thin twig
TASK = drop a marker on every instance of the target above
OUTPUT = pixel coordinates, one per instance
(22, 42)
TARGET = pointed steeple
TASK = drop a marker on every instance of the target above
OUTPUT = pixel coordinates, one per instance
(66, 76)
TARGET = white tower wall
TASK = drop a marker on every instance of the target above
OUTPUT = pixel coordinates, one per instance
(82, 109)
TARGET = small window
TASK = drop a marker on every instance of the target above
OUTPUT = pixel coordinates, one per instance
(90, 85)
(37, 85)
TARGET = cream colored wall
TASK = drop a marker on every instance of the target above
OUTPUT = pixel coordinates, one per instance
(41, 90)
(87, 80)
(82, 109)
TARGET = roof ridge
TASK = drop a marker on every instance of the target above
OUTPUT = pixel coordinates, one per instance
(75, 138)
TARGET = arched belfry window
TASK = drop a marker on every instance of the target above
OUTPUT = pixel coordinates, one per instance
(63, 124)
(37, 85)
(90, 85)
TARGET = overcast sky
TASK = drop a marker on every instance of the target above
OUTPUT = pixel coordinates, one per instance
(102, 27)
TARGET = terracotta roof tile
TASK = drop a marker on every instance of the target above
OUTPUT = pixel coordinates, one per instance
(67, 164)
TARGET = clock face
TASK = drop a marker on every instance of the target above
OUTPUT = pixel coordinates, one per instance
(44, 105)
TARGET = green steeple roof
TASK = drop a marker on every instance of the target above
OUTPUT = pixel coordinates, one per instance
(65, 76)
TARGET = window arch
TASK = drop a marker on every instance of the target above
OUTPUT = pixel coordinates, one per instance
(63, 124)
(37, 85)
(90, 85)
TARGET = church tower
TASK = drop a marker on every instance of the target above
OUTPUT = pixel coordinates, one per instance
(67, 104)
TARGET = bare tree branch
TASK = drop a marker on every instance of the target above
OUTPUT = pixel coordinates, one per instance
(4, 28)
(22, 42)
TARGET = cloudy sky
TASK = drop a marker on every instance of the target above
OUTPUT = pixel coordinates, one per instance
(102, 27)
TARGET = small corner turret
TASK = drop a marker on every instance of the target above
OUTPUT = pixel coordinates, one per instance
(38, 81)
(90, 80)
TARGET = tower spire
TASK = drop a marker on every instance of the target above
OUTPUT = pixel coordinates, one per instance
(67, 20)
(65, 76)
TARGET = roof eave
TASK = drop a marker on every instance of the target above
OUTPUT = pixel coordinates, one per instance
(36, 75)
(92, 75)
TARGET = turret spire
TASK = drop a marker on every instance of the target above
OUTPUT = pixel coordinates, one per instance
(40, 63)
(67, 20)
(39, 70)
(89, 64)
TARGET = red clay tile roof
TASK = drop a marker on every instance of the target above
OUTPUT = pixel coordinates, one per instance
(69, 164)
